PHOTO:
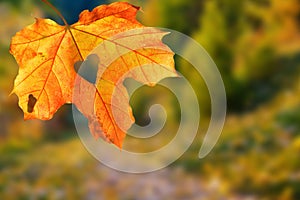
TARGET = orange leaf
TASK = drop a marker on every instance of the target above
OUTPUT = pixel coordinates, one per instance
(47, 52)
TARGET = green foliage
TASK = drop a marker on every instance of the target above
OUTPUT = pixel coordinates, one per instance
(290, 120)
(177, 14)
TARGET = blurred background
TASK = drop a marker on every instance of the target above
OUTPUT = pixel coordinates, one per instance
(256, 46)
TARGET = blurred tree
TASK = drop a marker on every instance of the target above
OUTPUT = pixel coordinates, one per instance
(219, 26)
(247, 39)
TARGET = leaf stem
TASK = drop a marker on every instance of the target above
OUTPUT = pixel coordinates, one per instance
(57, 11)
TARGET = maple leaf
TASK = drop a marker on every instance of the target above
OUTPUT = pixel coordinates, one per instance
(47, 52)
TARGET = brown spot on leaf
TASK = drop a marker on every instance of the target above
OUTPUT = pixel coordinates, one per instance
(31, 103)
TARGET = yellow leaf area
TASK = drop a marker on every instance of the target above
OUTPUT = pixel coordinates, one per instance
(47, 52)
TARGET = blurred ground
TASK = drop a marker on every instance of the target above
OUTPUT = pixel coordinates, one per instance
(256, 45)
